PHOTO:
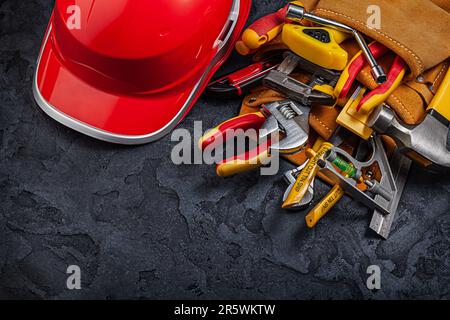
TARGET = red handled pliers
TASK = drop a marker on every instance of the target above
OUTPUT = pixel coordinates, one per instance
(380, 93)
(252, 159)
(240, 82)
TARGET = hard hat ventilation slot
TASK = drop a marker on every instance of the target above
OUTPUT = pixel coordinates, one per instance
(229, 27)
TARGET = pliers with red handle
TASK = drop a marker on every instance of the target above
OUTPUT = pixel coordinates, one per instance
(251, 159)
(380, 93)
(240, 82)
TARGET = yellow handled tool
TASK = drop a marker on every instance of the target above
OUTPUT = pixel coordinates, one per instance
(306, 176)
(322, 208)
(319, 45)
(440, 106)
(262, 31)
(351, 119)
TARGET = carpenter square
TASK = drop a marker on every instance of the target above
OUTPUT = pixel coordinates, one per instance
(381, 223)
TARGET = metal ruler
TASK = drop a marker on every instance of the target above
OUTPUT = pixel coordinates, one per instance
(400, 166)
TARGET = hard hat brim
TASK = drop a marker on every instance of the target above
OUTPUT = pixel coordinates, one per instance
(109, 116)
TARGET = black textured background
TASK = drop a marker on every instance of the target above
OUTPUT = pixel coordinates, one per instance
(141, 227)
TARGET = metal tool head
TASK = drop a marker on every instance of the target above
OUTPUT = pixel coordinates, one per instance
(382, 223)
(350, 185)
(295, 13)
(379, 74)
(291, 177)
(290, 62)
(292, 120)
(428, 139)
(279, 80)
(319, 74)
(296, 90)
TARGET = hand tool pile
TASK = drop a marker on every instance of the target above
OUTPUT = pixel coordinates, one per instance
(306, 86)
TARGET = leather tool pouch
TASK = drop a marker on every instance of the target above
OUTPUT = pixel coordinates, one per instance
(417, 30)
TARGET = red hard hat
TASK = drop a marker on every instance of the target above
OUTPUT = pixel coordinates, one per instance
(128, 71)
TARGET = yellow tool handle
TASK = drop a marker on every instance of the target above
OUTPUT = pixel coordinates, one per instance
(262, 31)
(322, 208)
(306, 177)
(319, 45)
(236, 165)
(441, 101)
(325, 88)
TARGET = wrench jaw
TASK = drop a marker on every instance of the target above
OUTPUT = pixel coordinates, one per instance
(269, 128)
(297, 90)
(288, 119)
(295, 140)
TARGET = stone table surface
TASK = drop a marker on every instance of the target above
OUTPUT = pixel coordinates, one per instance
(141, 227)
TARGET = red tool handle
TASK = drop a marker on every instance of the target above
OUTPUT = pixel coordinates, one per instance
(263, 26)
(261, 32)
(244, 122)
(382, 92)
(249, 160)
(353, 69)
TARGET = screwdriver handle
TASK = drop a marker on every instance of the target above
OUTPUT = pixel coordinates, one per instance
(324, 206)
(262, 31)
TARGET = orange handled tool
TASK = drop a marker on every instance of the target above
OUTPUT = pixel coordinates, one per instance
(262, 31)
(252, 159)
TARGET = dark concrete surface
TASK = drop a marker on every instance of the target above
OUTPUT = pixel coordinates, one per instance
(141, 227)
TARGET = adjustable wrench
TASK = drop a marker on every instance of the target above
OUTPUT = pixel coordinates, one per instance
(291, 120)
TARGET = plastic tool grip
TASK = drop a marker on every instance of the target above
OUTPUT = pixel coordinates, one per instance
(355, 66)
(441, 101)
(250, 160)
(382, 92)
(262, 31)
(240, 82)
(219, 134)
(319, 45)
(306, 176)
(322, 208)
